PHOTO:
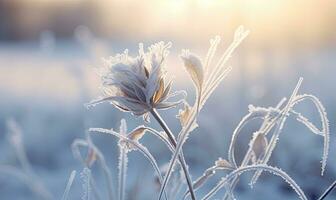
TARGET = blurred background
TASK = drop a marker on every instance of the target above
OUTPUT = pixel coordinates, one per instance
(49, 50)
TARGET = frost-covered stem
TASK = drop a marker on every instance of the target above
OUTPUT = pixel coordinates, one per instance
(235, 180)
(86, 176)
(265, 127)
(172, 140)
(325, 124)
(245, 161)
(282, 118)
(164, 126)
(264, 167)
(137, 145)
(181, 139)
(123, 160)
(241, 124)
(330, 188)
(68, 186)
(107, 174)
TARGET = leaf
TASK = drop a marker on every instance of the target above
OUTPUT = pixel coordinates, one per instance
(223, 164)
(184, 114)
(137, 133)
(184, 133)
(166, 105)
(158, 94)
(278, 122)
(259, 145)
(194, 67)
(134, 135)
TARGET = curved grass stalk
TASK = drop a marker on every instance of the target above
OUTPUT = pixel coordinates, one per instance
(268, 123)
(68, 186)
(300, 118)
(254, 114)
(200, 181)
(325, 125)
(263, 167)
(164, 139)
(325, 129)
(75, 149)
(107, 174)
(206, 176)
(246, 119)
(275, 136)
(140, 147)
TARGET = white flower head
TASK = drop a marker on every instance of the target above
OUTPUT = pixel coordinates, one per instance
(137, 84)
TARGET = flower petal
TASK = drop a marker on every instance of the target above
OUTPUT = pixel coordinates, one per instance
(166, 105)
(184, 114)
(158, 94)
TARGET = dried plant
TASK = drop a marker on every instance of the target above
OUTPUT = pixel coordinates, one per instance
(93, 154)
(139, 85)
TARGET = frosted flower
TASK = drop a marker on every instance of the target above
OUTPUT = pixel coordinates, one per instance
(137, 84)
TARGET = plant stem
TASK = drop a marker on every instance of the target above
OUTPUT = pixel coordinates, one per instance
(172, 140)
(330, 188)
